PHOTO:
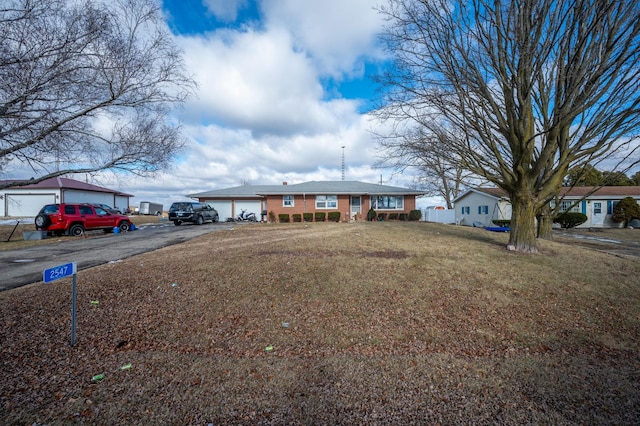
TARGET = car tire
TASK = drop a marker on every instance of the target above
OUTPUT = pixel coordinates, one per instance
(124, 226)
(215, 219)
(42, 221)
(76, 230)
(177, 222)
(200, 220)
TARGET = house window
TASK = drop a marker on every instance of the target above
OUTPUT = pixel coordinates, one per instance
(388, 202)
(611, 205)
(483, 209)
(466, 210)
(326, 201)
(287, 200)
(568, 206)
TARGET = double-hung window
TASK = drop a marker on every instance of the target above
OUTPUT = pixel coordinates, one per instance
(287, 200)
(466, 210)
(483, 209)
(326, 201)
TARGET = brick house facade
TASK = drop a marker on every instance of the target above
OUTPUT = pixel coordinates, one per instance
(349, 198)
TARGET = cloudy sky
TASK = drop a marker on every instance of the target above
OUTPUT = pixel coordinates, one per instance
(283, 86)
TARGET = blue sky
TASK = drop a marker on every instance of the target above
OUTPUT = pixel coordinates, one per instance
(283, 86)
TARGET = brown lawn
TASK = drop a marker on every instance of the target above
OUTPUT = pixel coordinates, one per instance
(362, 323)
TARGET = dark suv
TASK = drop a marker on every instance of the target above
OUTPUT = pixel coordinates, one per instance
(187, 211)
(74, 219)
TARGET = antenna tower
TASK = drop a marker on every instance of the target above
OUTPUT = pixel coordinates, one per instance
(343, 162)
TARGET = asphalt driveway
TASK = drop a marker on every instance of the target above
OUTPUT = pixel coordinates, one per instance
(25, 266)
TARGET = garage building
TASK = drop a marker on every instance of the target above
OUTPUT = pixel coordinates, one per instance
(27, 200)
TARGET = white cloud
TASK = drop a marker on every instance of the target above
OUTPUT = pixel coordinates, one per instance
(336, 34)
(255, 80)
(224, 10)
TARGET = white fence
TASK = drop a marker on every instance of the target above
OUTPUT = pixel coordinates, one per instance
(439, 216)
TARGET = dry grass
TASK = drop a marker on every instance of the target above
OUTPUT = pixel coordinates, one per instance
(388, 323)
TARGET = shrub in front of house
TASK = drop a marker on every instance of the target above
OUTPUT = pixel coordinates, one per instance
(334, 216)
(392, 216)
(626, 210)
(403, 216)
(570, 219)
(381, 217)
(272, 216)
(503, 223)
(320, 216)
(283, 218)
(297, 217)
(371, 214)
(415, 215)
(307, 217)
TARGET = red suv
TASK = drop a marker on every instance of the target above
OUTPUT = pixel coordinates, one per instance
(74, 219)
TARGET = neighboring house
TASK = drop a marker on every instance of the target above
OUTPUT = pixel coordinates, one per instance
(347, 197)
(27, 200)
(480, 206)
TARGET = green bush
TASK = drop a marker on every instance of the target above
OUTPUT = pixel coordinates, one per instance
(403, 216)
(570, 219)
(297, 217)
(393, 216)
(334, 216)
(320, 216)
(503, 223)
(283, 218)
(371, 214)
(415, 215)
(381, 217)
(626, 210)
(308, 217)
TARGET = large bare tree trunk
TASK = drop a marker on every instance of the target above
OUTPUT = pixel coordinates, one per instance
(523, 215)
(536, 87)
(545, 223)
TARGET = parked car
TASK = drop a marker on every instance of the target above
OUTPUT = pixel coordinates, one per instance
(112, 210)
(194, 212)
(74, 219)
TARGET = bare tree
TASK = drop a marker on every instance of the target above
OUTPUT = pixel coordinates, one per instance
(88, 86)
(537, 87)
(426, 150)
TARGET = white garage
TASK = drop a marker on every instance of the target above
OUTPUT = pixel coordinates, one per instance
(27, 200)
(231, 201)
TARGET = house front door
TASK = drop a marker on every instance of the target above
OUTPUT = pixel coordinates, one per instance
(356, 203)
(597, 215)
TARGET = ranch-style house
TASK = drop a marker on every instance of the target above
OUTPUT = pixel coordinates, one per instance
(349, 198)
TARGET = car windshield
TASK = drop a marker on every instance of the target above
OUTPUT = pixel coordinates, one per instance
(181, 206)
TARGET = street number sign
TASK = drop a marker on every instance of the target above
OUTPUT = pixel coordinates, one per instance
(57, 272)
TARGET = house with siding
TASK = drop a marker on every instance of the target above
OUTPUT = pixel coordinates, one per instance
(27, 200)
(481, 206)
(347, 197)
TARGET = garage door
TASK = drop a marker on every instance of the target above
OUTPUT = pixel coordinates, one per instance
(27, 205)
(223, 208)
(249, 206)
(71, 196)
